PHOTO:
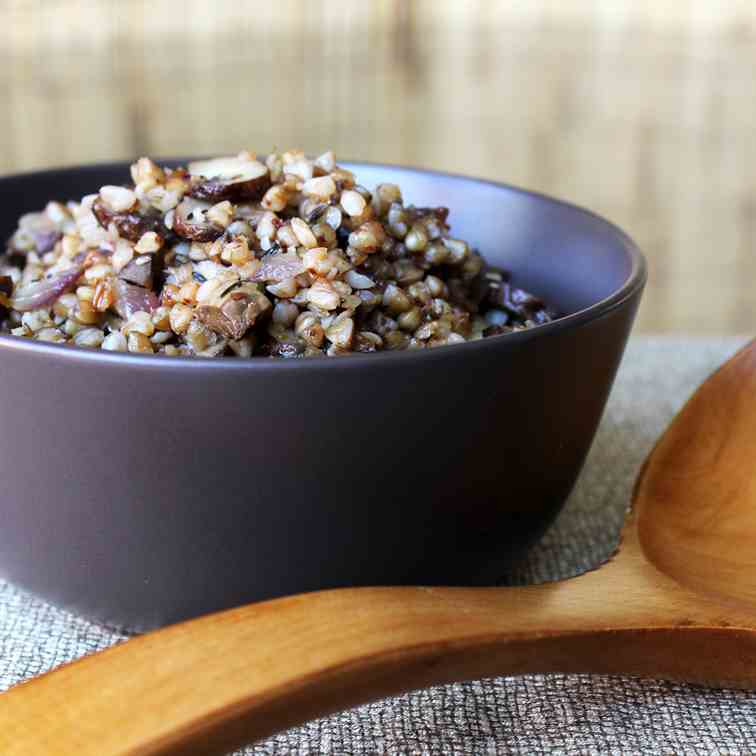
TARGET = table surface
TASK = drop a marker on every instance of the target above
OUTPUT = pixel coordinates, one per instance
(560, 714)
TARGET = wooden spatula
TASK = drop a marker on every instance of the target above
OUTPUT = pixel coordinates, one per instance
(677, 601)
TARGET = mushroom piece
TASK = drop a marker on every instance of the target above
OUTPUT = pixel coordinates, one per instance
(130, 225)
(236, 311)
(228, 178)
(190, 222)
(139, 271)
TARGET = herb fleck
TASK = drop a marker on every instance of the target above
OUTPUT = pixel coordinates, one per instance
(274, 248)
(315, 213)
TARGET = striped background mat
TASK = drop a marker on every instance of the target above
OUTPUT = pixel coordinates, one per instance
(643, 110)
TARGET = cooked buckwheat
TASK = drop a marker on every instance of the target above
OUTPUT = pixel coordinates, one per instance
(286, 257)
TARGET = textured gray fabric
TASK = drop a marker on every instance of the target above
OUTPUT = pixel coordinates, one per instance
(560, 714)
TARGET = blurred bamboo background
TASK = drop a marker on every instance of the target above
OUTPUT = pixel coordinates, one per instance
(643, 111)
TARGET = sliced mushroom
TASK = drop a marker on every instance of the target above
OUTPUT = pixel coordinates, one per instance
(236, 313)
(130, 225)
(228, 178)
(190, 222)
(139, 271)
(279, 267)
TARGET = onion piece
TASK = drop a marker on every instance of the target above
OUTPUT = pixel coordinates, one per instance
(279, 267)
(139, 271)
(45, 241)
(35, 231)
(131, 298)
(44, 292)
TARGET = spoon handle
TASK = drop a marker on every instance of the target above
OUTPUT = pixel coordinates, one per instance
(212, 684)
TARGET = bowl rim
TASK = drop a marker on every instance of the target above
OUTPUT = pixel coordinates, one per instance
(635, 281)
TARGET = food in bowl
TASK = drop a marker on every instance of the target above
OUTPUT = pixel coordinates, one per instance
(234, 256)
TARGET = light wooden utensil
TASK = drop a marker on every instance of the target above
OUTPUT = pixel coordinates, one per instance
(677, 601)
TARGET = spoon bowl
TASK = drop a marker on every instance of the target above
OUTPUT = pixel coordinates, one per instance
(696, 502)
(677, 601)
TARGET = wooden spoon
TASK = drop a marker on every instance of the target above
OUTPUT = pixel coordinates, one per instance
(678, 602)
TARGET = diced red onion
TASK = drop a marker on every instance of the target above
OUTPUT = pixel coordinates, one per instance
(131, 299)
(44, 292)
(44, 240)
(40, 229)
(279, 267)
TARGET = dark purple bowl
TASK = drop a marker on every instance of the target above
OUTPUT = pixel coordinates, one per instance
(143, 490)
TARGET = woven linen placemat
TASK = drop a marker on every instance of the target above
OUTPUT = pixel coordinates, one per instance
(555, 714)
